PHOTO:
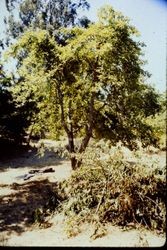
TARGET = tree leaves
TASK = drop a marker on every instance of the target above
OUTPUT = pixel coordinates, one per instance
(93, 84)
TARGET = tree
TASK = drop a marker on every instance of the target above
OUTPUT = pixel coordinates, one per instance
(158, 122)
(39, 14)
(95, 81)
(14, 119)
(43, 14)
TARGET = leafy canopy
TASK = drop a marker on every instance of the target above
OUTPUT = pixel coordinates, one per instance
(95, 83)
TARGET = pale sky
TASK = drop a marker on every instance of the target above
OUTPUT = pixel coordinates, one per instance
(150, 18)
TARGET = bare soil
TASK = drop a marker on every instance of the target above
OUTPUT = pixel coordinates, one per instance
(19, 198)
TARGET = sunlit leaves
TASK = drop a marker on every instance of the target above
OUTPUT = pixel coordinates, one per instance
(95, 80)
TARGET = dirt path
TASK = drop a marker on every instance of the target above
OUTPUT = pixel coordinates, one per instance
(19, 198)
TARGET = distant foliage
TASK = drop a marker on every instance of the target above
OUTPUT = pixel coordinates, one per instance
(158, 123)
(14, 119)
(47, 15)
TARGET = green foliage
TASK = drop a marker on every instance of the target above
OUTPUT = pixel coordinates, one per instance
(115, 190)
(158, 123)
(91, 86)
(14, 119)
(49, 15)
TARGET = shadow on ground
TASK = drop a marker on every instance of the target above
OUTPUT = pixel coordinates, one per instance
(17, 209)
(9, 150)
(28, 156)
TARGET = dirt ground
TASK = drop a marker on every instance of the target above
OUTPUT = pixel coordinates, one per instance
(19, 197)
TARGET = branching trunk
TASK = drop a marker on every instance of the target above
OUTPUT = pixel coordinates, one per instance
(83, 146)
(90, 125)
(89, 130)
(69, 129)
(70, 135)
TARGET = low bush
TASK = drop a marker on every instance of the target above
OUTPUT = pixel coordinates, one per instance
(114, 190)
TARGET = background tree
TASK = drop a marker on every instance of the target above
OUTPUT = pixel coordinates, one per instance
(158, 122)
(95, 81)
(38, 14)
(15, 118)
(43, 14)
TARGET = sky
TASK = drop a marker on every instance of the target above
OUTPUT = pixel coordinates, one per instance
(150, 18)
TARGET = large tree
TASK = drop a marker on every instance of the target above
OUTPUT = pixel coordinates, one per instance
(95, 82)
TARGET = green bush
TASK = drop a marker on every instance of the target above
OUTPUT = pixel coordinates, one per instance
(158, 122)
(115, 190)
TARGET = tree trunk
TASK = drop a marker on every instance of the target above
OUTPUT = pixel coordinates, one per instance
(69, 131)
(71, 150)
(74, 162)
(89, 130)
(83, 146)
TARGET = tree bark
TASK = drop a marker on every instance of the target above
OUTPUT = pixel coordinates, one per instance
(89, 130)
(71, 150)
(82, 148)
(69, 129)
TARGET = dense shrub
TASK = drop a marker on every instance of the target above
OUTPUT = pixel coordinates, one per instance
(115, 190)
